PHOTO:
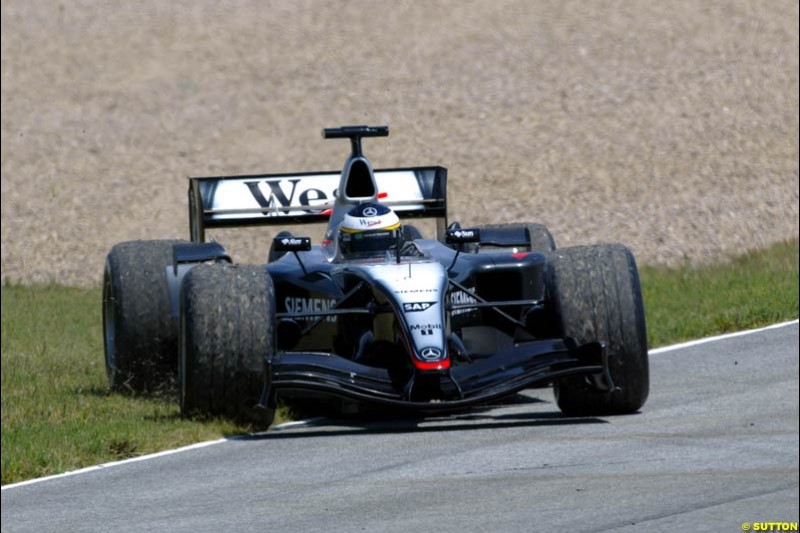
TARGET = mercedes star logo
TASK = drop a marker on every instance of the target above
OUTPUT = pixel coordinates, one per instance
(431, 353)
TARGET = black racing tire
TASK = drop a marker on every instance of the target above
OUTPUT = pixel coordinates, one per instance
(274, 255)
(227, 331)
(411, 232)
(539, 237)
(595, 294)
(140, 336)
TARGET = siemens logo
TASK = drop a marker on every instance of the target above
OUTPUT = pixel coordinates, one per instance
(309, 305)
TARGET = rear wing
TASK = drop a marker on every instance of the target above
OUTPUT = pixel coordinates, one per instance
(283, 199)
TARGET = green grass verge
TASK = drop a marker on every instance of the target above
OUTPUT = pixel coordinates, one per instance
(57, 414)
(752, 290)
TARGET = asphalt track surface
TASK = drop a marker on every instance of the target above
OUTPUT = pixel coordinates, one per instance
(716, 445)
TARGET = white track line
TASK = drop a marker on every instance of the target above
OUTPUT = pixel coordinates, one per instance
(115, 463)
(719, 338)
(298, 423)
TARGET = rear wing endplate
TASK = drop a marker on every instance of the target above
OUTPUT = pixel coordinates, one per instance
(283, 199)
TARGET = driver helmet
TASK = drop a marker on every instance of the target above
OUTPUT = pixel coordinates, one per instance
(369, 230)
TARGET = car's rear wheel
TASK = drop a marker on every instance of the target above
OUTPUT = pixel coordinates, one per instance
(411, 232)
(140, 335)
(595, 295)
(539, 237)
(227, 331)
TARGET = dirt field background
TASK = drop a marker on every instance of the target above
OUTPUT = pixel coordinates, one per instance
(670, 126)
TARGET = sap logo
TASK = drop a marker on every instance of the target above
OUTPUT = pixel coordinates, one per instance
(417, 306)
(309, 305)
(279, 196)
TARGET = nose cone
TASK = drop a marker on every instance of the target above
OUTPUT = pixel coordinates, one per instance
(419, 289)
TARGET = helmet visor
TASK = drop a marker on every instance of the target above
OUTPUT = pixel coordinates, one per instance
(371, 243)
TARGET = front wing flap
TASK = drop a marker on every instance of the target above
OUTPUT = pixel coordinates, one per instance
(484, 380)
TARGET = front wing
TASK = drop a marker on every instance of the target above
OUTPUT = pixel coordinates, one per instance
(484, 380)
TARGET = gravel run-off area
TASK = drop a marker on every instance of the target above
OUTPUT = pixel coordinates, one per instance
(669, 126)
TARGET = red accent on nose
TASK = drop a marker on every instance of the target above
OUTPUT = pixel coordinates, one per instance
(382, 195)
(438, 365)
(327, 212)
(519, 255)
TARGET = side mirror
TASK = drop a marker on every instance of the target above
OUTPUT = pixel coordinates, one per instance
(292, 244)
(463, 236)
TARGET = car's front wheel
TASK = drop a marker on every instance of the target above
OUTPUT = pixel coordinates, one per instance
(595, 295)
(227, 331)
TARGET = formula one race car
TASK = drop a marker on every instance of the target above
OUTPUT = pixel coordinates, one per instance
(376, 313)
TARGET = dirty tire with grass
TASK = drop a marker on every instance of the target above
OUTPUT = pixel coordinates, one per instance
(596, 295)
(140, 336)
(227, 329)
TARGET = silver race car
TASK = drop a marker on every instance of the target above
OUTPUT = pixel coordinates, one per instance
(376, 313)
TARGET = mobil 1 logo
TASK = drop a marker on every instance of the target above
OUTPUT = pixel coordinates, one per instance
(425, 329)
